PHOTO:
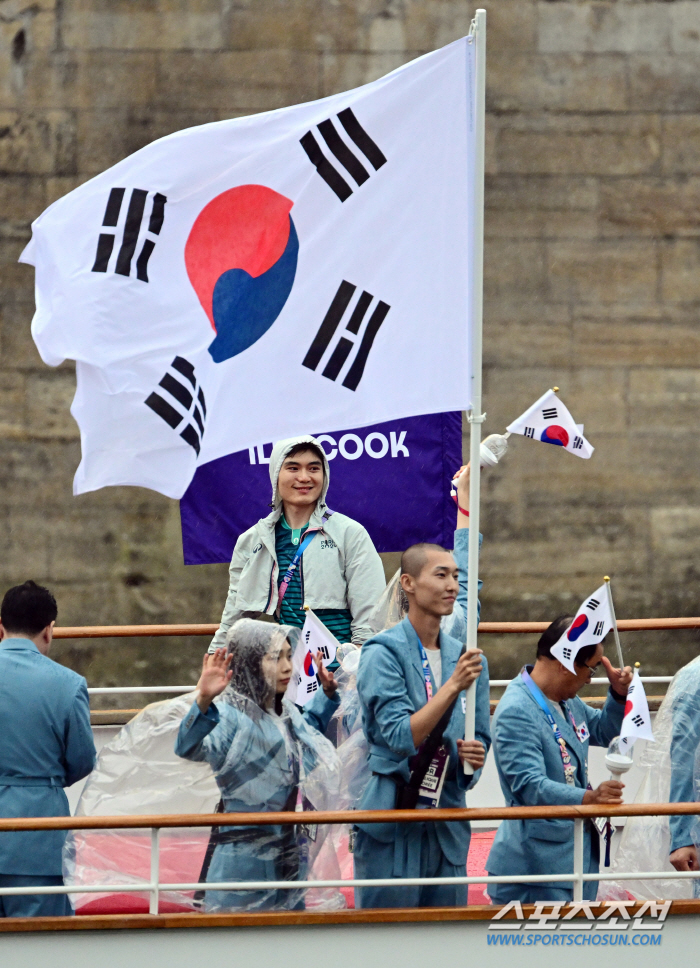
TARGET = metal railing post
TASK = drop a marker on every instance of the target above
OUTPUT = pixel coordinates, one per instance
(578, 860)
(155, 869)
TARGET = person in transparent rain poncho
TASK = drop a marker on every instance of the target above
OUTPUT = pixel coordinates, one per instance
(266, 755)
(671, 767)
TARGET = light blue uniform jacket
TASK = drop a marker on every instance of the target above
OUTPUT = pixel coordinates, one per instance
(531, 772)
(391, 687)
(45, 744)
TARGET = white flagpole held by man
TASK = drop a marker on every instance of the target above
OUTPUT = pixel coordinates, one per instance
(476, 418)
(614, 623)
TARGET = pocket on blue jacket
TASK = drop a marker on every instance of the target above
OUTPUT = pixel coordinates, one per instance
(556, 830)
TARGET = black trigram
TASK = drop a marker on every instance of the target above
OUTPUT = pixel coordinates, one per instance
(598, 630)
(191, 401)
(132, 228)
(550, 413)
(566, 652)
(593, 604)
(529, 432)
(311, 686)
(339, 147)
(307, 636)
(638, 720)
(323, 649)
(578, 443)
(341, 351)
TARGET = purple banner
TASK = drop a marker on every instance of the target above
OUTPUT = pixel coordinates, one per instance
(393, 478)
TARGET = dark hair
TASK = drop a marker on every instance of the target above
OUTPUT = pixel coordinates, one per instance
(28, 608)
(300, 448)
(414, 558)
(551, 636)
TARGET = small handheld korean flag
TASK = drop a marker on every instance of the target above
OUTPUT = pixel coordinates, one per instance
(637, 722)
(548, 420)
(315, 639)
(592, 623)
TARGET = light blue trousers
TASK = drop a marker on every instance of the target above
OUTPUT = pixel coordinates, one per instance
(33, 905)
(374, 859)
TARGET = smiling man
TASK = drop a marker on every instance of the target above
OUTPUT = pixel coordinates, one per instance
(411, 684)
(303, 553)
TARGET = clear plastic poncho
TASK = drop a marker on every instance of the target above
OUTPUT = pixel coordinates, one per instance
(645, 843)
(262, 755)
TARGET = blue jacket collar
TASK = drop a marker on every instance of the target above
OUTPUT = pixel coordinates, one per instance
(18, 645)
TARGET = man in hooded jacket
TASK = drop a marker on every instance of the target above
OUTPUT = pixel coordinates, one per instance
(303, 553)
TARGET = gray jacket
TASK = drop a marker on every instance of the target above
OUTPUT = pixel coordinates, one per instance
(339, 569)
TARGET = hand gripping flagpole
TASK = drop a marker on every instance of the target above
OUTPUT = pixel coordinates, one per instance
(614, 623)
(476, 418)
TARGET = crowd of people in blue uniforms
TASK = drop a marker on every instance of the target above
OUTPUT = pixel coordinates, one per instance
(268, 754)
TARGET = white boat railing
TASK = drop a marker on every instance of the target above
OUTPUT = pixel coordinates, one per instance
(157, 690)
(493, 628)
(154, 886)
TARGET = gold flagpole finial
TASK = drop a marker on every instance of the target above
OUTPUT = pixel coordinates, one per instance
(555, 389)
(606, 577)
(637, 665)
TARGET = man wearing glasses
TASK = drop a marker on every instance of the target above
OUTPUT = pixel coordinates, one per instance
(541, 733)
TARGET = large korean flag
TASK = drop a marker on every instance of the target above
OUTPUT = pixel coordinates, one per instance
(256, 278)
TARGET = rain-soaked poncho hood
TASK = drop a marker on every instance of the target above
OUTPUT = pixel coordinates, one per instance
(280, 451)
(248, 643)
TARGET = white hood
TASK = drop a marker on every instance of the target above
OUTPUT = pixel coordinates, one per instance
(280, 451)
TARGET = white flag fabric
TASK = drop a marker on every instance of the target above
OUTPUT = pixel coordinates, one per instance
(549, 420)
(315, 639)
(591, 624)
(637, 722)
(260, 277)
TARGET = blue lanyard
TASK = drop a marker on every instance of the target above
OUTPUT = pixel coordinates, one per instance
(310, 535)
(426, 670)
(569, 768)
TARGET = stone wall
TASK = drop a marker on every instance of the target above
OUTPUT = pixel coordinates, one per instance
(592, 284)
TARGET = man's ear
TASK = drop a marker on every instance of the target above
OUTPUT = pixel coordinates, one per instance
(407, 583)
(3, 633)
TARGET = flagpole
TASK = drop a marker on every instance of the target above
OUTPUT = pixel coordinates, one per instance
(475, 417)
(614, 623)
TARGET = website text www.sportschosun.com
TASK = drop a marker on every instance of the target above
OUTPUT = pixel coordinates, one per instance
(515, 938)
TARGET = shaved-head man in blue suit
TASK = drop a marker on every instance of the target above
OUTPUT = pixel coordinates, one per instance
(411, 680)
(45, 745)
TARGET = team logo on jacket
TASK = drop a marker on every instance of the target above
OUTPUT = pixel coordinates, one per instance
(241, 258)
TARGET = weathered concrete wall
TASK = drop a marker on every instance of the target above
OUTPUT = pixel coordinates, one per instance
(592, 282)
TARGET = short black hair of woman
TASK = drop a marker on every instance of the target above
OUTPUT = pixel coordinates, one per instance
(551, 636)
